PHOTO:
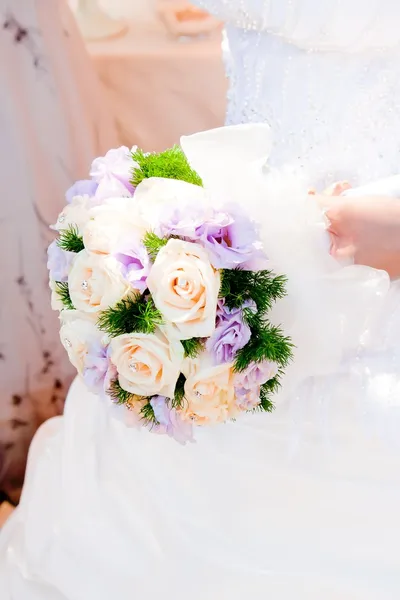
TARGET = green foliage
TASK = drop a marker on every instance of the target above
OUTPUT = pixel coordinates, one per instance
(179, 396)
(118, 394)
(70, 240)
(171, 164)
(147, 414)
(134, 314)
(267, 390)
(192, 347)
(62, 290)
(153, 244)
(267, 343)
(121, 396)
(263, 287)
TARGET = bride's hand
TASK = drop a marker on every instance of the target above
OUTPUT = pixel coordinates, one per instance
(366, 229)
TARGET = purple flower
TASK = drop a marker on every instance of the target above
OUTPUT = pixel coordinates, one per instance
(180, 222)
(231, 239)
(231, 333)
(85, 187)
(113, 172)
(256, 375)
(170, 422)
(247, 399)
(248, 383)
(97, 363)
(135, 263)
(59, 262)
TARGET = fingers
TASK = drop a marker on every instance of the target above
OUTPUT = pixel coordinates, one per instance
(337, 189)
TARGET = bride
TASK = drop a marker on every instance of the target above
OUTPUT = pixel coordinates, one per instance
(302, 503)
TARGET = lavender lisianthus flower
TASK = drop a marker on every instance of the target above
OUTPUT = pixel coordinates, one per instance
(59, 262)
(85, 187)
(247, 400)
(135, 262)
(181, 222)
(231, 333)
(170, 422)
(113, 173)
(230, 238)
(96, 367)
(247, 384)
(232, 241)
(256, 375)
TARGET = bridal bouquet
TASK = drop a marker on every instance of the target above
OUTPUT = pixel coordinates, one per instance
(164, 294)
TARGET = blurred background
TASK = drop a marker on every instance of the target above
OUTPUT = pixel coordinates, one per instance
(76, 79)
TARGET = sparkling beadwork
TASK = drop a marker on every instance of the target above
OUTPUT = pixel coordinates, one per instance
(84, 285)
(182, 282)
(67, 343)
(198, 395)
(283, 61)
(133, 366)
(61, 218)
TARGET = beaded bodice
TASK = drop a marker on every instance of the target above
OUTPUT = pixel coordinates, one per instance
(325, 74)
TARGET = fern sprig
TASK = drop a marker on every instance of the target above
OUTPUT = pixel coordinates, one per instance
(70, 240)
(262, 287)
(148, 416)
(134, 314)
(192, 347)
(179, 396)
(118, 394)
(62, 290)
(153, 244)
(266, 344)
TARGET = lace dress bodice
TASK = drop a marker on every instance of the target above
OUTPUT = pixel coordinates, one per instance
(325, 74)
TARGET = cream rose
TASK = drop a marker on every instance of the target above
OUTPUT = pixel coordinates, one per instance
(112, 222)
(95, 282)
(78, 332)
(185, 288)
(209, 391)
(147, 364)
(76, 213)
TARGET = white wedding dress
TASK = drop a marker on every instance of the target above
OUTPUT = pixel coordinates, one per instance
(300, 504)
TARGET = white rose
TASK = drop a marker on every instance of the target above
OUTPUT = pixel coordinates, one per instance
(147, 364)
(78, 332)
(76, 213)
(209, 391)
(115, 220)
(95, 282)
(185, 288)
(157, 197)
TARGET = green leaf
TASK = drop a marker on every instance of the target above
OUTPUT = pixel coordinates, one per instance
(267, 343)
(192, 347)
(171, 164)
(134, 314)
(62, 290)
(153, 244)
(147, 414)
(70, 240)
(262, 287)
(118, 394)
(179, 396)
